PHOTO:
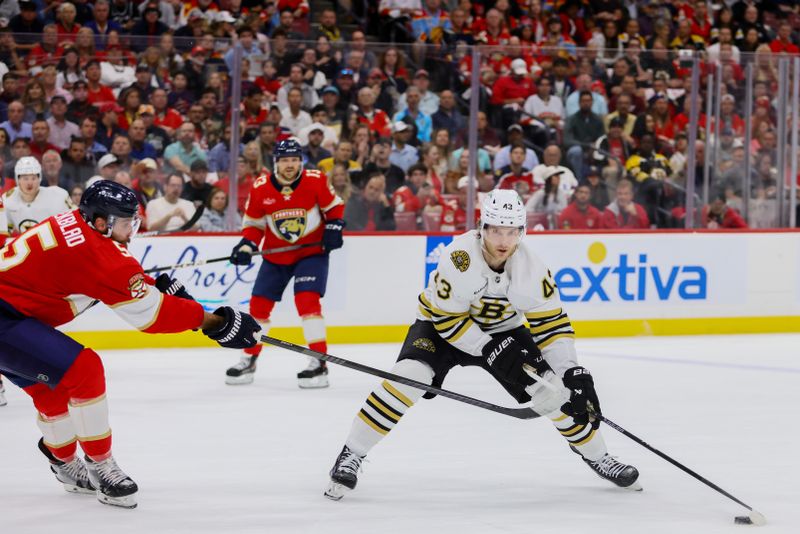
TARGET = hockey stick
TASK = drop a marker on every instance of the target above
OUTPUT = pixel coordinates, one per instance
(754, 517)
(198, 263)
(519, 413)
(185, 226)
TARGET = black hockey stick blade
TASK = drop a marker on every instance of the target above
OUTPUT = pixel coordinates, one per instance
(185, 226)
(198, 263)
(519, 413)
(677, 464)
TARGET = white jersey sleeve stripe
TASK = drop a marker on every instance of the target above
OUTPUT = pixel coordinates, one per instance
(140, 313)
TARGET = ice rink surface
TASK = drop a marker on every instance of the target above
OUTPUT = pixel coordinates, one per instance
(221, 459)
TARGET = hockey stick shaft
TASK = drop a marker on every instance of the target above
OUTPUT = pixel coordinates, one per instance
(198, 263)
(519, 413)
(643, 443)
(185, 226)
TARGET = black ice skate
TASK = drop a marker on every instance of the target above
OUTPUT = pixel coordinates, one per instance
(114, 487)
(243, 372)
(608, 468)
(314, 376)
(73, 475)
(344, 475)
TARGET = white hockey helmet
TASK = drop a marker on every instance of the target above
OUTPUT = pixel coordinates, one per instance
(503, 207)
(27, 165)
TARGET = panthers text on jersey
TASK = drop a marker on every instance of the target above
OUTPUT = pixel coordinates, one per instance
(467, 301)
(292, 214)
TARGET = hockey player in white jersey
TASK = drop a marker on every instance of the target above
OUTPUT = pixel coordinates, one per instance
(490, 303)
(29, 203)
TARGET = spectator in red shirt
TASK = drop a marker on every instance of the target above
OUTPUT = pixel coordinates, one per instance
(165, 117)
(416, 195)
(39, 143)
(624, 212)
(717, 214)
(783, 43)
(514, 88)
(376, 120)
(98, 93)
(580, 214)
(47, 51)
(67, 27)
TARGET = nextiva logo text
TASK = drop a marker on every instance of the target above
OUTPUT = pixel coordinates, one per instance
(629, 277)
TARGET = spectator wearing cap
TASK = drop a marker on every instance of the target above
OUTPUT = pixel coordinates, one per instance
(313, 152)
(454, 210)
(379, 162)
(15, 125)
(39, 141)
(414, 115)
(549, 200)
(428, 100)
(371, 210)
(580, 214)
(330, 101)
(140, 148)
(581, 131)
(383, 90)
(551, 157)
(197, 189)
(320, 117)
(599, 196)
(75, 169)
(347, 90)
(294, 118)
(145, 82)
(180, 155)
(108, 166)
(146, 184)
(101, 24)
(402, 154)
(516, 175)
(61, 130)
(219, 157)
(545, 107)
(612, 145)
(512, 90)
(515, 135)
(584, 84)
(448, 116)
(147, 27)
(297, 80)
(623, 212)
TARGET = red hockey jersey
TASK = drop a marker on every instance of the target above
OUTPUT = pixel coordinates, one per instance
(56, 269)
(293, 214)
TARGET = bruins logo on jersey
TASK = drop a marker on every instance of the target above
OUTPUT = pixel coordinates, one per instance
(291, 223)
(26, 225)
(424, 343)
(460, 259)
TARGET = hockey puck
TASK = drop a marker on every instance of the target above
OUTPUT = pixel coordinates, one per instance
(742, 520)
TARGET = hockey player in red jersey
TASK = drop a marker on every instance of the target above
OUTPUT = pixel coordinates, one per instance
(50, 274)
(290, 206)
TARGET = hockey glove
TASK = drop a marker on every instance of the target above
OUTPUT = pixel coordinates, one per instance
(504, 359)
(581, 385)
(237, 332)
(242, 253)
(170, 286)
(332, 237)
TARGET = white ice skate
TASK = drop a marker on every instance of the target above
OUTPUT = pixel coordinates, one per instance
(73, 474)
(314, 376)
(243, 372)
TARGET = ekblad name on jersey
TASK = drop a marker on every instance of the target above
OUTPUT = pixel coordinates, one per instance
(291, 214)
(467, 301)
(55, 270)
(17, 215)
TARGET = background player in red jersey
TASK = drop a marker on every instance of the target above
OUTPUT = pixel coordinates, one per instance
(290, 206)
(55, 271)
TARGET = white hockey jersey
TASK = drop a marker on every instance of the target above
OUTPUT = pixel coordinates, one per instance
(16, 215)
(467, 301)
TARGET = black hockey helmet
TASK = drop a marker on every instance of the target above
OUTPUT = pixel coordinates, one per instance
(110, 201)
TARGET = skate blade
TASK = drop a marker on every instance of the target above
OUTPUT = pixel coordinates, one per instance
(634, 487)
(336, 491)
(239, 380)
(313, 383)
(129, 501)
(71, 488)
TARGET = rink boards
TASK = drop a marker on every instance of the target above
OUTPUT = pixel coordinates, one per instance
(611, 284)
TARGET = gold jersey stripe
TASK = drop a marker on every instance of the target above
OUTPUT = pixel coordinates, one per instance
(547, 342)
(447, 324)
(372, 425)
(397, 394)
(550, 326)
(543, 315)
(433, 309)
(460, 331)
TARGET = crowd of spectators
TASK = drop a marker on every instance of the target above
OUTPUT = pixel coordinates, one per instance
(584, 104)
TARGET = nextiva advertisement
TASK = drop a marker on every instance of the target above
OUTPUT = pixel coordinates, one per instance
(637, 269)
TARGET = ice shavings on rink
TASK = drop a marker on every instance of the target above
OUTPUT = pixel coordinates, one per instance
(211, 458)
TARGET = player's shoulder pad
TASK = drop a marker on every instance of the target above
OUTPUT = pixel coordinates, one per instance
(531, 281)
(10, 192)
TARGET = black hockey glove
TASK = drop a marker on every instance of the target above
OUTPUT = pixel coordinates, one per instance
(504, 358)
(242, 253)
(170, 286)
(237, 332)
(332, 237)
(581, 385)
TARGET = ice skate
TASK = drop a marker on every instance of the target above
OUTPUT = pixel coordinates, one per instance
(73, 475)
(344, 475)
(3, 400)
(608, 468)
(114, 487)
(243, 372)
(314, 376)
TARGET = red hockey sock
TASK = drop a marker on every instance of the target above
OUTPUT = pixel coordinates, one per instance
(54, 420)
(85, 384)
(310, 310)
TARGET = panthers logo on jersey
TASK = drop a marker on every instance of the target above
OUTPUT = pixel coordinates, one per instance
(290, 223)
